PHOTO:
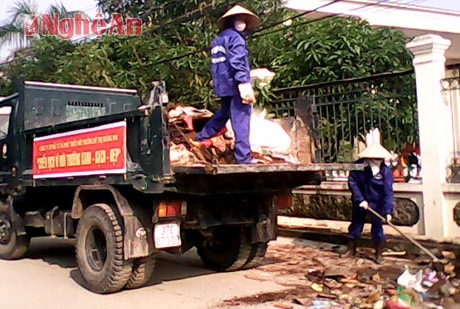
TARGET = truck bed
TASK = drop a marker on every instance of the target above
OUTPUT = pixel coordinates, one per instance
(213, 169)
(238, 178)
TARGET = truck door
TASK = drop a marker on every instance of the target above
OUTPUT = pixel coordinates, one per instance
(5, 155)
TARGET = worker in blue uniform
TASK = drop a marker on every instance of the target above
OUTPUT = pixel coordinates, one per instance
(232, 80)
(372, 187)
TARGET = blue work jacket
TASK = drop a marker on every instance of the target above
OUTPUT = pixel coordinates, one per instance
(377, 191)
(229, 63)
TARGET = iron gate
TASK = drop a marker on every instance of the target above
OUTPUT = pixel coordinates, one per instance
(343, 111)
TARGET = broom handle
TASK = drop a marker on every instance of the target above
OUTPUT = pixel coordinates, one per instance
(431, 255)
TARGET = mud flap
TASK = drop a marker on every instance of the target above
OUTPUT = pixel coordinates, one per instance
(266, 228)
(264, 231)
(16, 220)
(138, 240)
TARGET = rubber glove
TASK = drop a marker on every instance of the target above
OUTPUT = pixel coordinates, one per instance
(389, 218)
(247, 93)
(364, 205)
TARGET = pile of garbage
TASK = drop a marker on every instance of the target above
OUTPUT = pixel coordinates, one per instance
(269, 141)
(415, 287)
(317, 278)
(430, 286)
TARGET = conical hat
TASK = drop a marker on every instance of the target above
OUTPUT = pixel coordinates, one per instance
(252, 21)
(375, 151)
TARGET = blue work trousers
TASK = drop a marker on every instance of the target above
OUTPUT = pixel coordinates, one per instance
(240, 116)
(358, 218)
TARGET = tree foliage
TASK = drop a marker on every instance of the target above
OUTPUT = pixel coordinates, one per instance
(13, 32)
(175, 41)
(333, 49)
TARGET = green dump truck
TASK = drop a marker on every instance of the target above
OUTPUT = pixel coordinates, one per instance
(92, 164)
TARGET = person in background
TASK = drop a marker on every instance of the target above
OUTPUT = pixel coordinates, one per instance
(232, 81)
(371, 187)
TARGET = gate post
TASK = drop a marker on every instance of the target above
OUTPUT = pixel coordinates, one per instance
(435, 129)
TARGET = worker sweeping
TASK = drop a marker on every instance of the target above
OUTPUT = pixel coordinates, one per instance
(371, 188)
(232, 81)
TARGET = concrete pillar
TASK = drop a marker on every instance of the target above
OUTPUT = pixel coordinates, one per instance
(435, 125)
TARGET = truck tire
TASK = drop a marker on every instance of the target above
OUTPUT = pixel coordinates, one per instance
(12, 245)
(228, 250)
(100, 250)
(258, 251)
(142, 271)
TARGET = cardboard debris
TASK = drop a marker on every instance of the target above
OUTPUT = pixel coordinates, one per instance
(317, 287)
(449, 255)
(332, 284)
(283, 306)
(337, 273)
(395, 253)
(302, 301)
(180, 155)
(449, 269)
(259, 276)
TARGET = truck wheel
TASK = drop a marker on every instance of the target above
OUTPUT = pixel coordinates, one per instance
(12, 245)
(100, 250)
(227, 250)
(142, 271)
(258, 251)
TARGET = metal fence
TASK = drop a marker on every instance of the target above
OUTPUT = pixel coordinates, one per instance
(342, 112)
(451, 95)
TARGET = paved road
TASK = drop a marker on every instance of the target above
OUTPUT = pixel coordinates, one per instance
(48, 278)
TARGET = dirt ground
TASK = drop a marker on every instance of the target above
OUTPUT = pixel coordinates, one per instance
(316, 277)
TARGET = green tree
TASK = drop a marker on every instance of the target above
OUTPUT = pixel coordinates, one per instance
(333, 49)
(177, 35)
(12, 33)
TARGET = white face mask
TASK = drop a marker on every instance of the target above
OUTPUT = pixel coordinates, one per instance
(240, 25)
(375, 165)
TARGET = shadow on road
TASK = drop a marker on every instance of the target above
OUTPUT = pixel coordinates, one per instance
(59, 252)
(175, 267)
(168, 267)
